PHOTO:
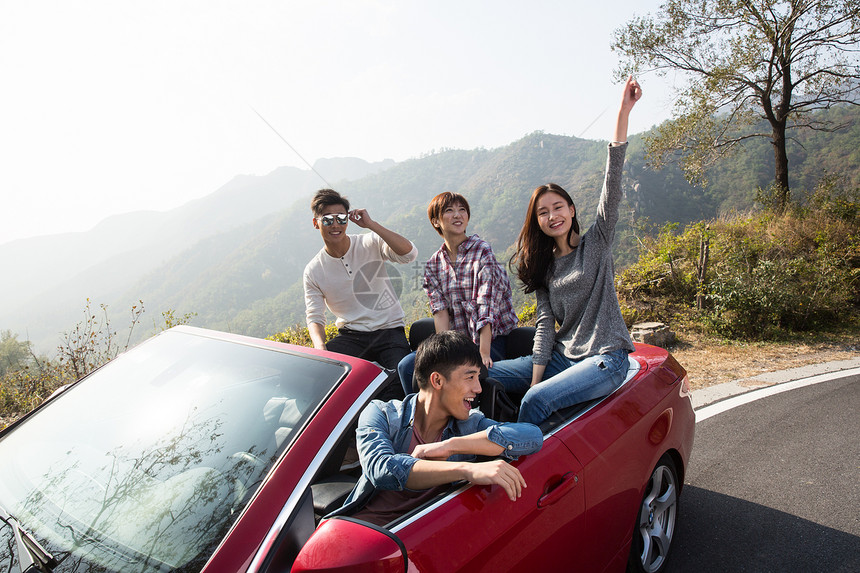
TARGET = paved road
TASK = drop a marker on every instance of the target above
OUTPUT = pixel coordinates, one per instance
(774, 485)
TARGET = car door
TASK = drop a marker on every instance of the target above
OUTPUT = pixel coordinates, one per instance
(475, 528)
(617, 441)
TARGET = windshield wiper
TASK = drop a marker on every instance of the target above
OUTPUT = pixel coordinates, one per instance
(31, 555)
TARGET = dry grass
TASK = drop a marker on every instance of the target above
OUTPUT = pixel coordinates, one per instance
(710, 362)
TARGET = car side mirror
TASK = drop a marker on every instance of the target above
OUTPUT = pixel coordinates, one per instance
(345, 544)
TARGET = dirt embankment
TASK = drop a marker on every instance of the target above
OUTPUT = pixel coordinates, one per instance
(709, 362)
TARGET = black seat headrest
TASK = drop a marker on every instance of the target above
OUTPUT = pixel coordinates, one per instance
(419, 331)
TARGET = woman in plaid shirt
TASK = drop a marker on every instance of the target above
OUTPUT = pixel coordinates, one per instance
(468, 289)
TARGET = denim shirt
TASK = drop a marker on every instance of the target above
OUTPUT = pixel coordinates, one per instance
(385, 431)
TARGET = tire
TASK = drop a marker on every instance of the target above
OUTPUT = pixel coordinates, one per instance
(655, 524)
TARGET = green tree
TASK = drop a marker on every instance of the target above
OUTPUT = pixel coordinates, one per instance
(739, 61)
(14, 353)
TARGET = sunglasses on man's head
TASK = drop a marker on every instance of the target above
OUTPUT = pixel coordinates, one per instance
(329, 220)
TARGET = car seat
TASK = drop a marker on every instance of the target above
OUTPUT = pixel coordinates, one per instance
(494, 401)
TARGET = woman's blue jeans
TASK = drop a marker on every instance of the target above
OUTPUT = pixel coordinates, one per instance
(565, 382)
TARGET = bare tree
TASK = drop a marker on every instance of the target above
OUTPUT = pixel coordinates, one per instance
(741, 61)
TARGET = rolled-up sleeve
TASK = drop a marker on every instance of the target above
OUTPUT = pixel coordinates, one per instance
(487, 290)
(516, 438)
(433, 287)
(383, 467)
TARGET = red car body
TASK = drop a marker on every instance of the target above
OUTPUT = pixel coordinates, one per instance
(607, 477)
(578, 512)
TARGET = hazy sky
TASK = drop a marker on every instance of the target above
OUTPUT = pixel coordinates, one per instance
(115, 106)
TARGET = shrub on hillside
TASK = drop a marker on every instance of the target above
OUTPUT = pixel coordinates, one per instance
(765, 275)
(527, 315)
(90, 344)
(24, 389)
(300, 336)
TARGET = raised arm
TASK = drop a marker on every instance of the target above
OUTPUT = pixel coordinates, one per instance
(632, 93)
(398, 243)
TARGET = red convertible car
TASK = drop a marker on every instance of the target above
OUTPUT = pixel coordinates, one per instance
(203, 451)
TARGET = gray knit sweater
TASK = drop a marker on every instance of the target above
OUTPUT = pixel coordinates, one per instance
(580, 294)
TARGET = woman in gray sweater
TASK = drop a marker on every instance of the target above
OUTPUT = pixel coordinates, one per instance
(572, 276)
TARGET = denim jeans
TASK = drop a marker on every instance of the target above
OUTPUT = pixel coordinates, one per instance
(565, 382)
(406, 368)
(386, 347)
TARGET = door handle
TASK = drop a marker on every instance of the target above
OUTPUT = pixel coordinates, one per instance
(563, 487)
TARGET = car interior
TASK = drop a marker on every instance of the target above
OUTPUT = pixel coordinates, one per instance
(341, 470)
(494, 401)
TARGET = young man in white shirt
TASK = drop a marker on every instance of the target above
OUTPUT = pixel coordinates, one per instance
(349, 277)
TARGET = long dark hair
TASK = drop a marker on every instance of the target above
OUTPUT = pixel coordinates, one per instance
(534, 255)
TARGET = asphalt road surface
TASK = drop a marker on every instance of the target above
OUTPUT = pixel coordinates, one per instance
(774, 486)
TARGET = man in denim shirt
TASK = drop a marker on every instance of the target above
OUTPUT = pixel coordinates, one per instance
(411, 449)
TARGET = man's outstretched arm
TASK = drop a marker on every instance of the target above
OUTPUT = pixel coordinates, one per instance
(430, 473)
(431, 470)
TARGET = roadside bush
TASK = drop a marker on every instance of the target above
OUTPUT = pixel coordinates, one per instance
(299, 335)
(91, 343)
(666, 265)
(765, 275)
(24, 389)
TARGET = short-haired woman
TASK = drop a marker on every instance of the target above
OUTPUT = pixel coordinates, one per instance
(468, 289)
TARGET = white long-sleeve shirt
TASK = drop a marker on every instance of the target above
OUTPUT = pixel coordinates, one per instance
(355, 287)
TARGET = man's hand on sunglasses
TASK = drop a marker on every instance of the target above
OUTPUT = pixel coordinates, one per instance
(360, 218)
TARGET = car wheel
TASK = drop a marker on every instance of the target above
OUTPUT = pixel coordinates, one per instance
(655, 525)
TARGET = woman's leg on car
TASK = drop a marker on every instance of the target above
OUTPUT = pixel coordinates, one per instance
(516, 374)
(583, 380)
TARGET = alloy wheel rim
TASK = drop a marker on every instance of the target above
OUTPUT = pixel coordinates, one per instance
(657, 518)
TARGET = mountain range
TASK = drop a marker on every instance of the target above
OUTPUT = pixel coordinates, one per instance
(235, 257)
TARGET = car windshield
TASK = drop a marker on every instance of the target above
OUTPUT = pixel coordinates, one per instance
(146, 464)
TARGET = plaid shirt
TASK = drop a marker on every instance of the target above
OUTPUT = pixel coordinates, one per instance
(475, 289)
